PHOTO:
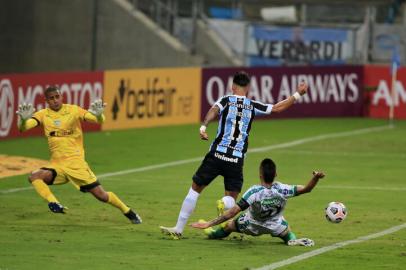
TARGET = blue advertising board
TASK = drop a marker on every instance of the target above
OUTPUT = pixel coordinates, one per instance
(270, 46)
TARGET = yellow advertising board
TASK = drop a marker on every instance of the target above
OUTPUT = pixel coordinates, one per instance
(151, 97)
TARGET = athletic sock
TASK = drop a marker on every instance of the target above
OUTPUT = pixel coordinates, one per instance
(219, 233)
(43, 190)
(288, 236)
(116, 202)
(188, 206)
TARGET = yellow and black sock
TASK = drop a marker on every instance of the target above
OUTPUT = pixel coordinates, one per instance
(116, 202)
(43, 190)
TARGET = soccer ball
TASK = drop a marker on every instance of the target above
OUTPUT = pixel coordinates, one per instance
(336, 212)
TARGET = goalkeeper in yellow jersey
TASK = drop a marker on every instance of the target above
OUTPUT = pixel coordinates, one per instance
(61, 123)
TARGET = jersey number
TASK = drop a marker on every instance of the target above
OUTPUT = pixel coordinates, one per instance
(270, 212)
(240, 127)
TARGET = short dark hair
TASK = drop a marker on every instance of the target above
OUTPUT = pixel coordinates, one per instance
(50, 89)
(241, 78)
(268, 169)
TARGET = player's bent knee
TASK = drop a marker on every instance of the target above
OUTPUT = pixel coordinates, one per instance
(40, 174)
(230, 227)
(33, 175)
(284, 233)
(198, 188)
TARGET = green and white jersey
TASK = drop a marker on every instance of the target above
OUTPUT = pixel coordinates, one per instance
(267, 204)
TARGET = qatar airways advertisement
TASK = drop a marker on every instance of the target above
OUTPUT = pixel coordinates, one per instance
(333, 91)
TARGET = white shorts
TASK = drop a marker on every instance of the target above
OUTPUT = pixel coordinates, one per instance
(247, 225)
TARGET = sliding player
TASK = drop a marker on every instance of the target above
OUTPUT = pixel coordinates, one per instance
(265, 204)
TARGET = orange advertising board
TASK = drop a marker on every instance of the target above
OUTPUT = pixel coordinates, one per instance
(151, 97)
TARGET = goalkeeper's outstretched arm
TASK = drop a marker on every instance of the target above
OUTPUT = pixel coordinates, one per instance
(89, 117)
(24, 125)
(25, 122)
(96, 110)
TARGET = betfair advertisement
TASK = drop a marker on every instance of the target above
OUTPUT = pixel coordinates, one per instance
(151, 97)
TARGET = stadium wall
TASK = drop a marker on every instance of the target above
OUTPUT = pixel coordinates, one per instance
(56, 35)
(140, 98)
(124, 33)
(39, 35)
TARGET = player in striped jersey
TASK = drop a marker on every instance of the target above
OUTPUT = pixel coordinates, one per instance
(227, 152)
(265, 204)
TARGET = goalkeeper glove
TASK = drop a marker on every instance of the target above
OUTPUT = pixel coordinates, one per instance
(97, 108)
(25, 111)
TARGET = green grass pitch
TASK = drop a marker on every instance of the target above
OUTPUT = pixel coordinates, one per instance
(367, 172)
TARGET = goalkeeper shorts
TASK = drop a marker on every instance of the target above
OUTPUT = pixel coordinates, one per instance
(77, 172)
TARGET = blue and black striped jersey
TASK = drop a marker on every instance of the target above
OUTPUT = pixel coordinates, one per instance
(236, 115)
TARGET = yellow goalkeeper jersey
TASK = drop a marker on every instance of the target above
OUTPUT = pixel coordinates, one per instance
(64, 131)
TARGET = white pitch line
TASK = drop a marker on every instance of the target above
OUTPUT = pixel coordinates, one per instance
(12, 190)
(253, 150)
(350, 154)
(364, 188)
(151, 167)
(319, 138)
(319, 251)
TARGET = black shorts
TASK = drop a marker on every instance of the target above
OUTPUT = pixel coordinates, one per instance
(212, 167)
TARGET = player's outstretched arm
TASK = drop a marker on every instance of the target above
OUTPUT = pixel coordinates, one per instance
(96, 110)
(317, 175)
(210, 116)
(286, 103)
(226, 216)
(25, 112)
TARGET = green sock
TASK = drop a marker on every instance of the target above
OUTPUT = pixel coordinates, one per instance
(288, 236)
(219, 233)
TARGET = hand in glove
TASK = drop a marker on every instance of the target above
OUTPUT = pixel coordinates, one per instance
(97, 108)
(25, 111)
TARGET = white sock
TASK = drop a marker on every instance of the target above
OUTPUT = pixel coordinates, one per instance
(229, 202)
(188, 206)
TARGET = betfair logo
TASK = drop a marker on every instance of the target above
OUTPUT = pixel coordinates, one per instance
(118, 100)
(151, 102)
